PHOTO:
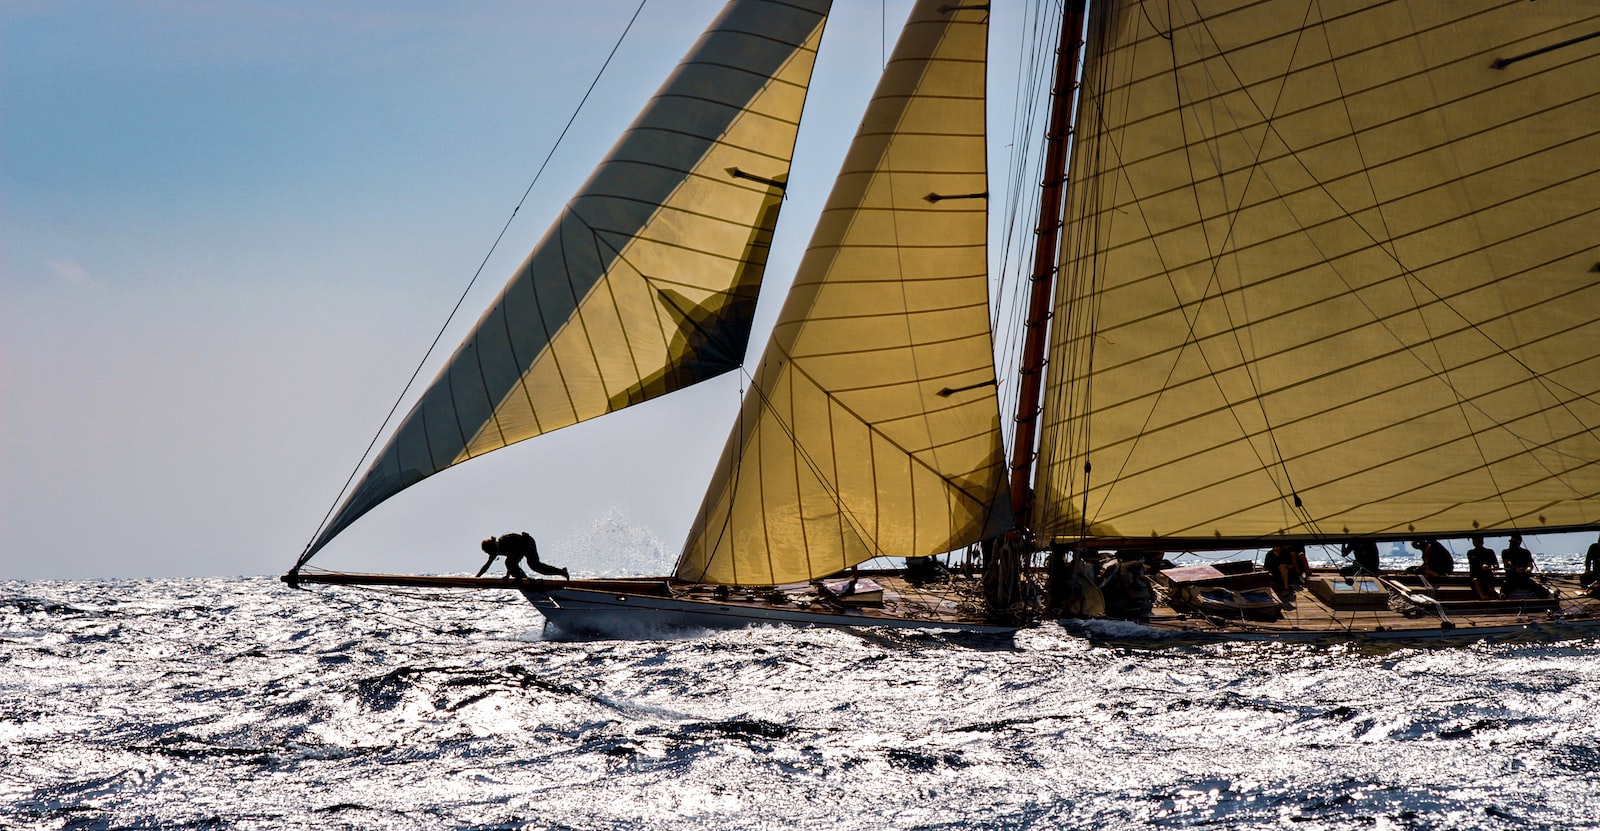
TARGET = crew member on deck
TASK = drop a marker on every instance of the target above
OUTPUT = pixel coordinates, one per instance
(1591, 565)
(1126, 590)
(516, 548)
(1288, 566)
(1437, 561)
(1518, 560)
(1365, 555)
(1519, 571)
(1481, 566)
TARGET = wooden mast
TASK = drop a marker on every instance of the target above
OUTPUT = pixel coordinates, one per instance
(1042, 276)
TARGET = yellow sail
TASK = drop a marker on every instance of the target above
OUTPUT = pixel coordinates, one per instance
(647, 281)
(1330, 269)
(872, 427)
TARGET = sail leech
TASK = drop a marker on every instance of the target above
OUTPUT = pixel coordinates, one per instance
(646, 282)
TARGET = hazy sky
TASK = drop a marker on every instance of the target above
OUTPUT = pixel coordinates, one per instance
(228, 231)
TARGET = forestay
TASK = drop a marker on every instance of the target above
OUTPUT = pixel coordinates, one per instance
(1330, 269)
(872, 427)
(647, 281)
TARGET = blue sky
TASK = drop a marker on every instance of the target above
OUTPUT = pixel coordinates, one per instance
(228, 231)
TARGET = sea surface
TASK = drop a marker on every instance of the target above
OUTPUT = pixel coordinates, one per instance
(240, 703)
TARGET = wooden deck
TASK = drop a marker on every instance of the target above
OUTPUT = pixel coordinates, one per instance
(1415, 609)
(1410, 611)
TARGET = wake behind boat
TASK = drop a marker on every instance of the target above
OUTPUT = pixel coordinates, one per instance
(1304, 274)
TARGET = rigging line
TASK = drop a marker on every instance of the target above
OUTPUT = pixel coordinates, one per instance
(1005, 313)
(360, 609)
(888, 169)
(1294, 508)
(1379, 244)
(1167, 35)
(1062, 352)
(1578, 294)
(306, 554)
(1078, 298)
(1412, 282)
(1012, 191)
(736, 463)
(1374, 498)
(906, 316)
(1029, 171)
(857, 526)
(1189, 339)
(1096, 204)
(1092, 327)
(1381, 499)
(1393, 254)
(872, 428)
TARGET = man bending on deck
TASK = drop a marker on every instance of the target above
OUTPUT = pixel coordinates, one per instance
(516, 548)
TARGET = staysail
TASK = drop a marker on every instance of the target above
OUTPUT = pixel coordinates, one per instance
(871, 427)
(1331, 269)
(647, 281)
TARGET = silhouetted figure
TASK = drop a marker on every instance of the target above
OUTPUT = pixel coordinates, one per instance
(1289, 569)
(1591, 565)
(1437, 561)
(1518, 560)
(517, 548)
(1481, 567)
(1126, 591)
(1519, 572)
(1365, 555)
(922, 570)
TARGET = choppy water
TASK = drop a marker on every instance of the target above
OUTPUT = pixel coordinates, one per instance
(238, 703)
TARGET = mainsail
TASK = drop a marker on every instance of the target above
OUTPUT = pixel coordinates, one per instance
(871, 427)
(647, 281)
(1331, 270)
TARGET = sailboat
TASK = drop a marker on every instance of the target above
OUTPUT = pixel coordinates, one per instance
(1305, 272)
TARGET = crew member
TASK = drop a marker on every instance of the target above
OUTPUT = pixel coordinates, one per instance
(516, 548)
(1365, 555)
(1481, 566)
(1437, 561)
(1519, 572)
(1288, 566)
